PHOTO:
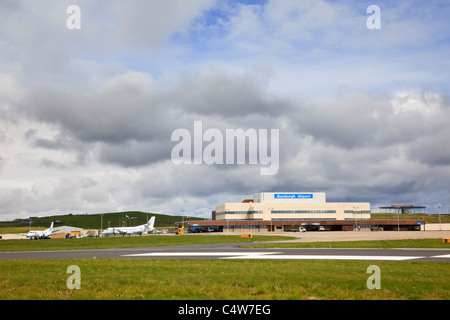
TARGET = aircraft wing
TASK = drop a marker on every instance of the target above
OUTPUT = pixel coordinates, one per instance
(120, 230)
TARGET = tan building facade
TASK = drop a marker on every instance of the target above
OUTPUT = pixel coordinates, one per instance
(292, 206)
(296, 211)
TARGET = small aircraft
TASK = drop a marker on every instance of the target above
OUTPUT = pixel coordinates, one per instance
(37, 234)
(149, 226)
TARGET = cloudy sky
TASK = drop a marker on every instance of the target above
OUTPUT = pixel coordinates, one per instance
(86, 115)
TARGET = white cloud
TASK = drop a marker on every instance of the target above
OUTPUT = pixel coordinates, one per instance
(424, 103)
(86, 116)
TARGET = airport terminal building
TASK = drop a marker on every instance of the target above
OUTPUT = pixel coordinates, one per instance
(287, 211)
(292, 206)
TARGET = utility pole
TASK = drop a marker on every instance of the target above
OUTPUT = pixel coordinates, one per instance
(439, 212)
(182, 217)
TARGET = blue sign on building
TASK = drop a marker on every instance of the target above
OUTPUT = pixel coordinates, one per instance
(293, 195)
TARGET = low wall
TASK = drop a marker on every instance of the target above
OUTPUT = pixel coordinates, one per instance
(10, 236)
(436, 227)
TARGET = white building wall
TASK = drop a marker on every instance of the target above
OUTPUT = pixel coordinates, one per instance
(436, 227)
(305, 211)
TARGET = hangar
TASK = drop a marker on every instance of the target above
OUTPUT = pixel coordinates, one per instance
(61, 231)
(287, 211)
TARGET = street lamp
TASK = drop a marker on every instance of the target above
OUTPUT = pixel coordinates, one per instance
(271, 226)
(439, 212)
(182, 217)
(226, 218)
(355, 216)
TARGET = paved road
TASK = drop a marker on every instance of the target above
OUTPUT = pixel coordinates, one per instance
(235, 251)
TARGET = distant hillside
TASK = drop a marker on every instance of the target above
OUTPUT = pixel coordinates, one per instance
(94, 221)
(429, 218)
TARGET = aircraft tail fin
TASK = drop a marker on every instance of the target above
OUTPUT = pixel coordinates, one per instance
(151, 223)
(49, 231)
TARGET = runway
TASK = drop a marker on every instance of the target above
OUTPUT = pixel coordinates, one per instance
(235, 251)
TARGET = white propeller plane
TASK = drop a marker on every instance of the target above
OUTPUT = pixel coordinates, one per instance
(38, 234)
(149, 226)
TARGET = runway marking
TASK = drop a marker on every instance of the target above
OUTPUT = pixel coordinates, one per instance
(197, 254)
(326, 257)
(442, 256)
(270, 255)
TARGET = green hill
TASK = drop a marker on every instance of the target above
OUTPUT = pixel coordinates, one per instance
(429, 218)
(94, 221)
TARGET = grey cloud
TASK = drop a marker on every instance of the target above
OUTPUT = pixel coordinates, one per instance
(46, 162)
(61, 142)
(431, 149)
(2, 163)
(386, 153)
(135, 154)
(39, 49)
(72, 193)
(341, 145)
(130, 118)
(195, 180)
(396, 188)
(212, 92)
(348, 122)
(130, 122)
(50, 144)
(358, 119)
(142, 23)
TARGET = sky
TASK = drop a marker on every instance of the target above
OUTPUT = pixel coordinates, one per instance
(89, 102)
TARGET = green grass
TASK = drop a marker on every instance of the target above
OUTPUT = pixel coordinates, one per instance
(217, 279)
(429, 218)
(222, 279)
(4, 230)
(407, 243)
(127, 241)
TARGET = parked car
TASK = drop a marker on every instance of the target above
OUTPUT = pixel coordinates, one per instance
(321, 228)
(300, 229)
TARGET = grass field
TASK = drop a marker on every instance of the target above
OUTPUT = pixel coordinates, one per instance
(217, 279)
(222, 279)
(429, 218)
(161, 240)
(407, 243)
(124, 242)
